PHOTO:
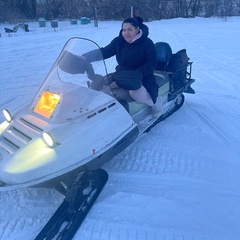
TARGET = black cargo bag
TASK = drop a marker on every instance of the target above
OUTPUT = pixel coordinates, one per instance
(178, 66)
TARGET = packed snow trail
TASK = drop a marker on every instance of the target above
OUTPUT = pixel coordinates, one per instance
(179, 181)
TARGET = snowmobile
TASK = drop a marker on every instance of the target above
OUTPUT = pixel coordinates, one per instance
(76, 123)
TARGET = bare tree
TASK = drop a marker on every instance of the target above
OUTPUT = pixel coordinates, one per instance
(12, 10)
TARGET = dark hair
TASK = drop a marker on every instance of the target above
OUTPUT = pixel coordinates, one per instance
(135, 21)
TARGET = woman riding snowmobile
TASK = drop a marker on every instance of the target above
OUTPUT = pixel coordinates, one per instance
(137, 58)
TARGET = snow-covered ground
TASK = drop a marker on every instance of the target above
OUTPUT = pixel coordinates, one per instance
(180, 181)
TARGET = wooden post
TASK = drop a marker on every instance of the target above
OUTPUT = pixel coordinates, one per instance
(95, 17)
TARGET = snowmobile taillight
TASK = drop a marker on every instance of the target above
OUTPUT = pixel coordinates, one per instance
(46, 104)
(48, 138)
(7, 115)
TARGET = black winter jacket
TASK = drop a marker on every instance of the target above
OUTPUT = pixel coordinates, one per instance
(139, 55)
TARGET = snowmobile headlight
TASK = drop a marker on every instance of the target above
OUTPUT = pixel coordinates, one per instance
(7, 115)
(48, 139)
(47, 104)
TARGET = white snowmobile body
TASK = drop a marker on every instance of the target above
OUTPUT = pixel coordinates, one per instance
(88, 127)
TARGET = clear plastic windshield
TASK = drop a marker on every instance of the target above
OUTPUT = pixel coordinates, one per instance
(80, 63)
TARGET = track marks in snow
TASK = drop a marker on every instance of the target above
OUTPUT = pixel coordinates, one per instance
(208, 168)
(13, 229)
(217, 64)
(28, 211)
(215, 72)
(205, 120)
(136, 207)
(178, 40)
(128, 232)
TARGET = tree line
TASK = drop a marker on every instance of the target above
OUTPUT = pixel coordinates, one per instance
(22, 10)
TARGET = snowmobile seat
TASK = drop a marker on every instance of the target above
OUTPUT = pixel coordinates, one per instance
(162, 79)
(135, 106)
(127, 101)
(132, 106)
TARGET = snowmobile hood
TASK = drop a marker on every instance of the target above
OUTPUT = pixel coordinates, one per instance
(68, 125)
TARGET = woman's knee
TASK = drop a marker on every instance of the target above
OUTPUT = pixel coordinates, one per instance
(141, 95)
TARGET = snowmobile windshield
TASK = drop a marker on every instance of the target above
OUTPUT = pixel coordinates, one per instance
(80, 63)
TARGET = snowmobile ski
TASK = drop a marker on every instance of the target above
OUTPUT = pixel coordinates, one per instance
(78, 201)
